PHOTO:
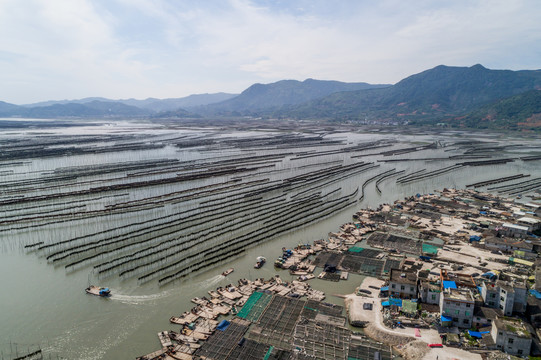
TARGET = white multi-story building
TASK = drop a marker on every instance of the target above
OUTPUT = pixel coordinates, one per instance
(507, 297)
(457, 304)
(511, 336)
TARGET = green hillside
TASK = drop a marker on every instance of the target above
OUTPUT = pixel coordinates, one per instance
(517, 112)
(432, 95)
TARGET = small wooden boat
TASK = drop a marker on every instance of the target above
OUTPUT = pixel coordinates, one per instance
(260, 261)
(98, 291)
(306, 277)
(228, 271)
(165, 339)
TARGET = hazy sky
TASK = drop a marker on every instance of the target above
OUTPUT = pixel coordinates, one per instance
(68, 49)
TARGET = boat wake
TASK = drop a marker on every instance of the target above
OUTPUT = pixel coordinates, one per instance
(138, 299)
(211, 281)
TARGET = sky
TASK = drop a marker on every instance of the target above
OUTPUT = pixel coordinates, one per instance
(119, 49)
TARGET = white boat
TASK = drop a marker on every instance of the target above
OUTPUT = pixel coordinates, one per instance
(260, 261)
(228, 271)
(98, 291)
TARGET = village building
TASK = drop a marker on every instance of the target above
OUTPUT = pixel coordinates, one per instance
(534, 208)
(456, 307)
(403, 284)
(507, 297)
(484, 316)
(507, 244)
(512, 336)
(533, 310)
(429, 292)
(513, 230)
(531, 223)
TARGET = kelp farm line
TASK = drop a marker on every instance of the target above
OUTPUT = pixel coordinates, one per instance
(165, 205)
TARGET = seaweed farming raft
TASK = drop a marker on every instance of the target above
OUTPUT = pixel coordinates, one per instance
(159, 206)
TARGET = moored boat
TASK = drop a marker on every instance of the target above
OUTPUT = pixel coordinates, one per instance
(228, 271)
(260, 261)
(98, 291)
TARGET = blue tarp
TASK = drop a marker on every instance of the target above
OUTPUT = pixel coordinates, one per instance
(535, 293)
(475, 238)
(482, 212)
(449, 284)
(385, 304)
(489, 275)
(224, 324)
(385, 288)
(397, 302)
(477, 334)
(446, 318)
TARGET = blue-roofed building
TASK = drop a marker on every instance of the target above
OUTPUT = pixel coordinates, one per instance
(448, 284)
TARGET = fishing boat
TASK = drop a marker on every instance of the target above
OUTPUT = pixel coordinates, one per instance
(228, 271)
(98, 291)
(260, 261)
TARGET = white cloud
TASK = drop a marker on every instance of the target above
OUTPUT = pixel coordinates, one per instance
(165, 48)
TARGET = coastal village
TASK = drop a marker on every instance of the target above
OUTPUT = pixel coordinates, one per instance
(449, 275)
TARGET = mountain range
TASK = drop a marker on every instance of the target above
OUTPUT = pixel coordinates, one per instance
(454, 96)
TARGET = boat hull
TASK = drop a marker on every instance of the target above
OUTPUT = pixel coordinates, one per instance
(98, 291)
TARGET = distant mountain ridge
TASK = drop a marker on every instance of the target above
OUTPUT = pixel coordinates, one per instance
(456, 96)
(149, 103)
(92, 108)
(438, 93)
(282, 93)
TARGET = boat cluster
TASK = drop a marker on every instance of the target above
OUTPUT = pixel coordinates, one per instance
(202, 320)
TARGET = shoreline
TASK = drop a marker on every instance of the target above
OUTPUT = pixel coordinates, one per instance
(409, 342)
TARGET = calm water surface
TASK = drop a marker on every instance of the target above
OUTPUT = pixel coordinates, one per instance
(42, 305)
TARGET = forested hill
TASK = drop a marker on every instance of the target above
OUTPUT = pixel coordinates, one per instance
(449, 96)
(433, 95)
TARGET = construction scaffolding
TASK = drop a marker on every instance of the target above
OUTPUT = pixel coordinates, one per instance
(254, 306)
(249, 350)
(358, 264)
(392, 263)
(362, 348)
(285, 328)
(276, 325)
(365, 262)
(222, 343)
(395, 242)
(321, 341)
(313, 308)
